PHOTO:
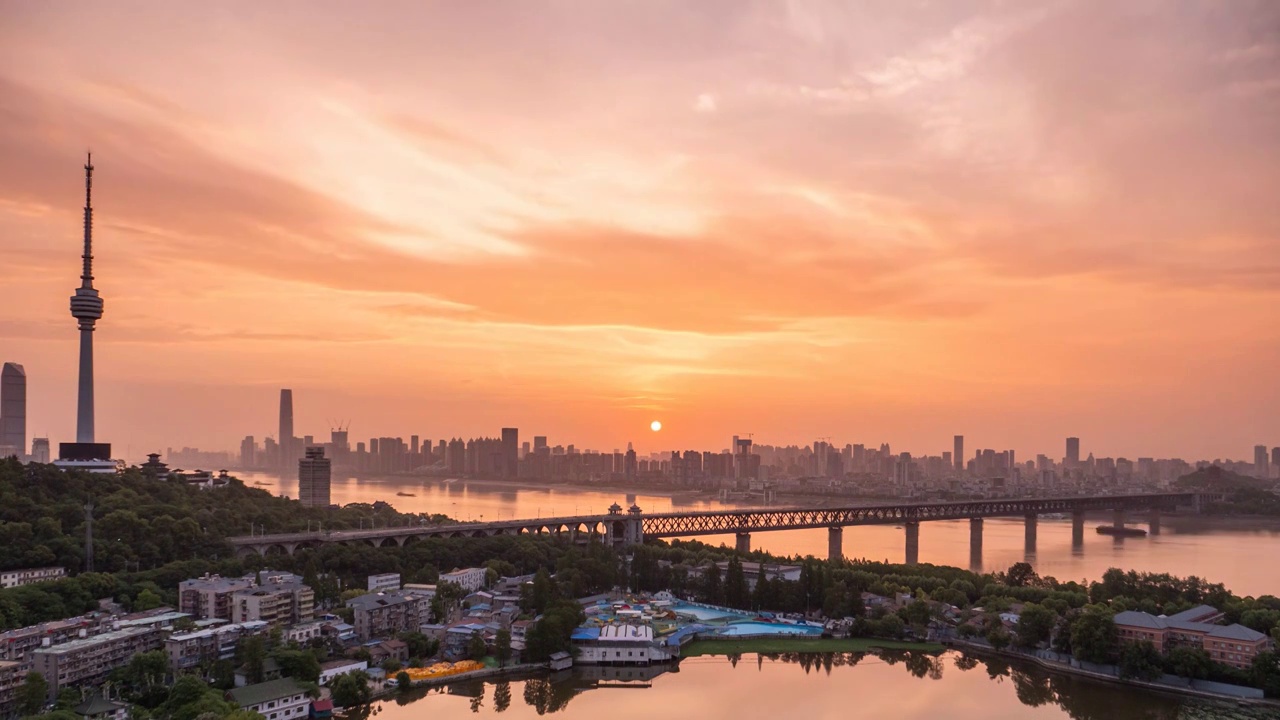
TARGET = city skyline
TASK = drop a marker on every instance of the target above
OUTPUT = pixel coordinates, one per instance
(867, 227)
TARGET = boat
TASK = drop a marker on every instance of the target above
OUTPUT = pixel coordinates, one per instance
(1121, 531)
(405, 494)
(259, 482)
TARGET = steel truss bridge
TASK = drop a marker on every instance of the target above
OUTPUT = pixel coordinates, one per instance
(633, 526)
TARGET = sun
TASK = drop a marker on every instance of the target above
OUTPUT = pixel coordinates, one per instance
(655, 426)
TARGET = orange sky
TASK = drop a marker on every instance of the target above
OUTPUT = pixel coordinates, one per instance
(876, 221)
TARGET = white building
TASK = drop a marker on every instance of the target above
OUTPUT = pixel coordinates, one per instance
(281, 699)
(619, 645)
(471, 579)
(303, 633)
(334, 668)
(384, 581)
(28, 576)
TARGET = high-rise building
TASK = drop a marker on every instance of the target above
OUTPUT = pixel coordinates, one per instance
(957, 453)
(1073, 452)
(247, 447)
(314, 474)
(510, 451)
(1260, 464)
(40, 450)
(286, 429)
(1275, 457)
(13, 409)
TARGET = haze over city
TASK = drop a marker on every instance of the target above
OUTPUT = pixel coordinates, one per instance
(1016, 222)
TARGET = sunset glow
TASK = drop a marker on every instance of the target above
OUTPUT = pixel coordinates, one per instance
(800, 219)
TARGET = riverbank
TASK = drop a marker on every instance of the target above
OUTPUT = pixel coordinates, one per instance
(771, 645)
(1062, 668)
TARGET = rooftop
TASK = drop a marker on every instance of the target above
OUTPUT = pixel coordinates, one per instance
(251, 695)
(102, 639)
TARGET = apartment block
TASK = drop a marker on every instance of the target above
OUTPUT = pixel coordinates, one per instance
(210, 596)
(29, 576)
(189, 650)
(386, 614)
(11, 674)
(90, 660)
(471, 579)
(279, 602)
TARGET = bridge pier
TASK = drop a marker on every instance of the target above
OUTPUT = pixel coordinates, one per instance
(1118, 518)
(744, 543)
(1153, 521)
(835, 543)
(1030, 525)
(975, 544)
(913, 542)
(1077, 529)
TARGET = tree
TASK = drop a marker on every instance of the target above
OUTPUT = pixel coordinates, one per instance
(502, 646)
(537, 595)
(251, 652)
(736, 594)
(1020, 574)
(1264, 673)
(403, 681)
(712, 590)
(998, 637)
(1093, 636)
(501, 696)
(476, 649)
(298, 664)
(1035, 625)
(1140, 660)
(351, 689)
(147, 600)
(916, 613)
(1188, 662)
(33, 694)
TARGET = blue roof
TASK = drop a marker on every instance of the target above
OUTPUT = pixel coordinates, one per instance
(678, 636)
(585, 633)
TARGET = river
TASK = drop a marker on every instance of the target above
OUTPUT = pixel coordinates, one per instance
(1217, 549)
(898, 685)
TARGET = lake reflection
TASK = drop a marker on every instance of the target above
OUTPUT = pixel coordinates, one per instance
(900, 685)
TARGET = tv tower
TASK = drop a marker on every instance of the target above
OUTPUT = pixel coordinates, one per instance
(86, 307)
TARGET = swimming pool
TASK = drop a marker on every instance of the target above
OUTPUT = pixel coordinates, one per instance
(760, 628)
(705, 613)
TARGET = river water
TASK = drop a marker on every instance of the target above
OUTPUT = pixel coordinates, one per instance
(1220, 550)
(902, 686)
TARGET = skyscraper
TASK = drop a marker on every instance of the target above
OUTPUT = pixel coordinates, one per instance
(510, 451)
(40, 450)
(957, 453)
(1260, 464)
(1073, 452)
(247, 448)
(286, 429)
(314, 475)
(13, 409)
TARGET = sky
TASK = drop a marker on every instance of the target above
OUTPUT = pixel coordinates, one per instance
(876, 221)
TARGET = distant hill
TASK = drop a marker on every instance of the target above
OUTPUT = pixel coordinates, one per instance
(1217, 479)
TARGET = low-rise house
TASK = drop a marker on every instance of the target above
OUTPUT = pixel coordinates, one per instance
(274, 700)
(340, 631)
(386, 650)
(321, 709)
(560, 661)
(384, 581)
(303, 633)
(100, 708)
(270, 671)
(619, 645)
(1234, 645)
(334, 668)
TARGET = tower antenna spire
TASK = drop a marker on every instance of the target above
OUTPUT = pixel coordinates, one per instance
(86, 276)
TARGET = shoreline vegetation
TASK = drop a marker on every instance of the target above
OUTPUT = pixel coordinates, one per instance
(775, 645)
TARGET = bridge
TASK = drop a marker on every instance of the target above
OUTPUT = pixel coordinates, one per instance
(619, 528)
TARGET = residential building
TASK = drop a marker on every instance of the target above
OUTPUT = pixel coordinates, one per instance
(189, 650)
(384, 581)
(386, 614)
(280, 600)
(274, 700)
(334, 668)
(100, 708)
(397, 650)
(29, 576)
(18, 644)
(90, 660)
(1234, 645)
(303, 633)
(471, 579)
(210, 596)
(11, 674)
(314, 478)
